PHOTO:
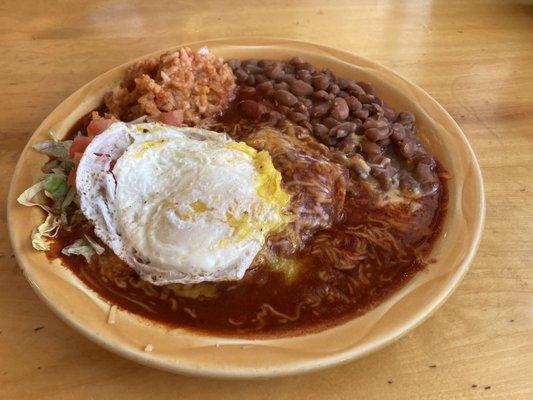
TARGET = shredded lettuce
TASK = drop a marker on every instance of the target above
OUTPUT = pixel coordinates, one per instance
(80, 247)
(96, 247)
(38, 241)
(48, 229)
(50, 165)
(55, 184)
(68, 198)
(54, 149)
(53, 134)
(27, 197)
(68, 165)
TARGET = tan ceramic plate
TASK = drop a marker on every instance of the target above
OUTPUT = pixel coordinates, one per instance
(182, 351)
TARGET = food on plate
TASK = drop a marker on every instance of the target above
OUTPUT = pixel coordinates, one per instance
(240, 197)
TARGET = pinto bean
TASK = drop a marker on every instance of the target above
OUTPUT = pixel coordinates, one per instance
(266, 64)
(343, 94)
(343, 83)
(321, 95)
(248, 90)
(366, 99)
(398, 132)
(342, 130)
(354, 89)
(353, 103)
(370, 148)
(276, 72)
(307, 67)
(234, 63)
(422, 156)
(375, 123)
(367, 87)
(330, 122)
(301, 88)
(285, 98)
(264, 87)
(297, 61)
(320, 109)
(320, 130)
(361, 114)
(405, 118)
(375, 134)
(334, 88)
(260, 78)
(253, 69)
(240, 74)
(320, 82)
(340, 110)
(304, 75)
(289, 78)
(406, 148)
(297, 117)
(281, 86)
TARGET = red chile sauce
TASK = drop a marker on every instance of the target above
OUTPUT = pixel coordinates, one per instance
(264, 303)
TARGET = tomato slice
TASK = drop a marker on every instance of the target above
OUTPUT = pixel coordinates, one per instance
(98, 125)
(71, 178)
(79, 145)
(77, 157)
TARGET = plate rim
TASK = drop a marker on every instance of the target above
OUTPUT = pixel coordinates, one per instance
(313, 365)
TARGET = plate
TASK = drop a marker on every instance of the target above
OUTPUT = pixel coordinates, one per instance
(182, 351)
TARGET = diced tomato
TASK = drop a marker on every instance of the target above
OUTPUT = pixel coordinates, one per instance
(98, 125)
(71, 179)
(77, 157)
(79, 145)
(172, 117)
(95, 127)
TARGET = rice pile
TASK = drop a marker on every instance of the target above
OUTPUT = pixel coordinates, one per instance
(177, 87)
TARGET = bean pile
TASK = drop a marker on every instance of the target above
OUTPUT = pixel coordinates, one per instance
(346, 115)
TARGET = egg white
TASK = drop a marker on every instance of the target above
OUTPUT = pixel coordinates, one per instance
(179, 205)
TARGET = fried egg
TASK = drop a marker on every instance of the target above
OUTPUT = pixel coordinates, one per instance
(180, 205)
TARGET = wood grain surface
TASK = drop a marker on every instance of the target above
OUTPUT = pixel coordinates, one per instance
(475, 58)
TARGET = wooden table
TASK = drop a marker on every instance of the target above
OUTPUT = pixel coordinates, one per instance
(476, 59)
